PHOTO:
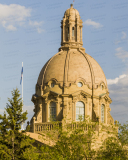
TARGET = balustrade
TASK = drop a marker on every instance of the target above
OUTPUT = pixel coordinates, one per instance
(47, 126)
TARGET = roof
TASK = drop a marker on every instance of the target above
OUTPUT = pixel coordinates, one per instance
(72, 13)
(68, 66)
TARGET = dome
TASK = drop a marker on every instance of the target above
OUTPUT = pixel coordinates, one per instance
(66, 67)
(71, 83)
(72, 63)
(71, 13)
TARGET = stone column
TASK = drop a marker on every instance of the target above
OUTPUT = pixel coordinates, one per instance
(39, 111)
(105, 114)
(70, 32)
(74, 106)
(73, 112)
(78, 32)
(65, 105)
(63, 32)
(81, 34)
(99, 110)
(47, 112)
(57, 108)
(33, 124)
(46, 109)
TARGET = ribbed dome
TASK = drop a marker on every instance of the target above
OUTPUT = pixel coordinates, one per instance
(72, 63)
(68, 66)
(71, 13)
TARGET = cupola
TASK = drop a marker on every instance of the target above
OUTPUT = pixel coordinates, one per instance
(71, 30)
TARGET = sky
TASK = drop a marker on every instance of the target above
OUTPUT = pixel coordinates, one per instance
(30, 33)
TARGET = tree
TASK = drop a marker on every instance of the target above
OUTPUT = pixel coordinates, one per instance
(111, 150)
(78, 144)
(123, 134)
(115, 147)
(71, 144)
(14, 144)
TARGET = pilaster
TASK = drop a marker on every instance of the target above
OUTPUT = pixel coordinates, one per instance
(46, 109)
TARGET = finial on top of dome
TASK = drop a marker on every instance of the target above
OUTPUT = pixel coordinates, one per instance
(71, 5)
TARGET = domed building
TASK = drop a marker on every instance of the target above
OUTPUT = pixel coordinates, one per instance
(71, 84)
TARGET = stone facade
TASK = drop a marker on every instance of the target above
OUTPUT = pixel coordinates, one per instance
(71, 83)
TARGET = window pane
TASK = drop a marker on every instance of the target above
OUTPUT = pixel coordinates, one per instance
(52, 84)
(73, 31)
(77, 117)
(52, 104)
(80, 111)
(52, 111)
(79, 104)
(102, 113)
(77, 110)
(79, 84)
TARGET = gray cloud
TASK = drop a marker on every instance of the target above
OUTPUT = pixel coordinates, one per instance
(119, 95)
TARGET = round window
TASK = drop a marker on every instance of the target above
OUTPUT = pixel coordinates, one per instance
(52, 84)
(79, 84)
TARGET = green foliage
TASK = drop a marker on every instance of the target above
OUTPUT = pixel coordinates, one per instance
(71, 144)
(111, 150)
(123, 134)
(72, 141)
(78, 144)
(14, 144)
(115, 146)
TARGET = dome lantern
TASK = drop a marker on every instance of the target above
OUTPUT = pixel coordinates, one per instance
(71, 30)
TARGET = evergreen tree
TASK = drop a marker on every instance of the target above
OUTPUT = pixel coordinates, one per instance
(15, 144)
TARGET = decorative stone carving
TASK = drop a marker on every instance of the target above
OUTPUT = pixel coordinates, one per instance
(39, 114)
(46, 100)
(80, 97)
(69, 105)
(89, 106)
(74, 99)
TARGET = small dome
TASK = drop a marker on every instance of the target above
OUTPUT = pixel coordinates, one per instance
(69, 67)
(71, 13)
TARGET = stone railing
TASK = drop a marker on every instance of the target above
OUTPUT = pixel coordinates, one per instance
(36, 127)
(46, 126)
(85, 127)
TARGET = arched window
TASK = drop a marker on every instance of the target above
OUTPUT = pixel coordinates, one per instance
(68, 32)
(53, 84)
(73, 32)
(102, 87)
(52, 111)
(80, 111)
(102, 113)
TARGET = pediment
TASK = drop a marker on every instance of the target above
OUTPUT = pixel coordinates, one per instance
(50, 93)
(106, 97)
(81, 92)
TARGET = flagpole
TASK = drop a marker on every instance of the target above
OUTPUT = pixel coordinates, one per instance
(22, 97)
(73, 2)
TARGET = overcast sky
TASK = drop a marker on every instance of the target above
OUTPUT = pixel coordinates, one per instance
(30, 33)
